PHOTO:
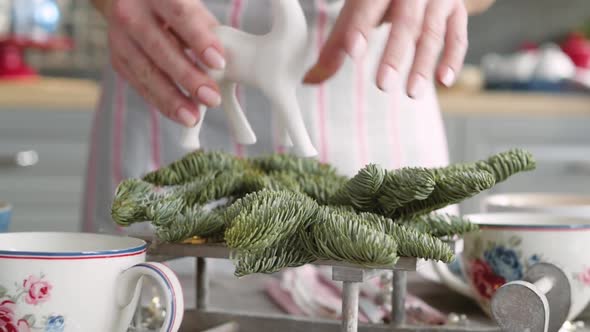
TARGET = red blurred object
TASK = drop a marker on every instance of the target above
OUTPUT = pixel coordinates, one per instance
(577, 47)
(12, 60)
(529, 46)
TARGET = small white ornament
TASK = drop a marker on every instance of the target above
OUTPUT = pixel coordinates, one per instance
(275, 64)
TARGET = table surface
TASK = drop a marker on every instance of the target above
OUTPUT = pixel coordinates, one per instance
(49, 93)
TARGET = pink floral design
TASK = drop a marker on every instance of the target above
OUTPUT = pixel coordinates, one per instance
(38, 291)
(584, 277)
(7, 323)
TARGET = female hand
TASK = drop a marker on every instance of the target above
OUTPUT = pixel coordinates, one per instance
(148, 39)
(427, 25)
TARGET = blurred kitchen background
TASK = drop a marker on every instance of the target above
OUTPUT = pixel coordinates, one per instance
(44, 125)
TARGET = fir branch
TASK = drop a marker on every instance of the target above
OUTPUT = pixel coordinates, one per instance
(403, 186)
(509, 163)
(282, 180)
(412, 243)
(292, 164)
(451, 188)
(194, 165)
(130, 201)
(164, 209)
(361, 191)
(441, 225)
(194, 221)
(289, 253)
(321, 187)
(502, 165)
(264, 218)
(341, 235)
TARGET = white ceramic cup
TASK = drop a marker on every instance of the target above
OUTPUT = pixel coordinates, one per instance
(509, 243)
(551, 203)
(72, 282)
(557, 204)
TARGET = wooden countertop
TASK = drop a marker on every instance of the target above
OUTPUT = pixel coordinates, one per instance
(514, 103)
(76, 95)
(49, 94)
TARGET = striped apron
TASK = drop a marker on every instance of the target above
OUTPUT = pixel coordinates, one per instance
(350, 120)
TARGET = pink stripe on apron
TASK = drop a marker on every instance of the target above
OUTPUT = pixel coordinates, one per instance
(236, 10)
(155, 137)
(361, 110)
(91, 172)
(119, 127)
(119, 118)
(322, 24)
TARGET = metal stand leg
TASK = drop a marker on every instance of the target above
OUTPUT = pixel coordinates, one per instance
(398, 310)
(350, 306)
(202, 284)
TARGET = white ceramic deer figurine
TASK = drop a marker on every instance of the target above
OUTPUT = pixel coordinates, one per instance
(274, 63)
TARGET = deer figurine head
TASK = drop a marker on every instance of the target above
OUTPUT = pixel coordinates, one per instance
(273, 63)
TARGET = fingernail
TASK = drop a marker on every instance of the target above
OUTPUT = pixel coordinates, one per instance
(358, 46)
(449, 77)
(187, 118)
(387, 77)
(213, 58)
(209, 96)
(315, 74)
(417, 86)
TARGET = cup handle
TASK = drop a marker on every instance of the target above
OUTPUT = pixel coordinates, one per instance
(452, 281)
(129, 286)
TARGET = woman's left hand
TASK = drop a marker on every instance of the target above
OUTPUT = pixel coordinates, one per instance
(431, 26)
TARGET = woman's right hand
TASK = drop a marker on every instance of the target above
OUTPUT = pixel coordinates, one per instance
(148, 39)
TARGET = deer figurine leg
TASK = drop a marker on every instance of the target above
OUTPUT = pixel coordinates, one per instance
(240, 126)
(287, 107)
(191, 139)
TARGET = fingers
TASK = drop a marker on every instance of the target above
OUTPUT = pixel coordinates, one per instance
(193, 23)
(456, 44)
(429, 46)
(167, 54)
(406, 26)
(428, 26)
(349, 36)
(151, 82)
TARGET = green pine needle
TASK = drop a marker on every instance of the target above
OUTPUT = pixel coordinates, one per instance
(361, 191)
(343, 236)
(194, 165)
(286, 254)
(451, 188)
(441, 225)
(193, 222)
(412, 243)
(403, 186)
(265, 218)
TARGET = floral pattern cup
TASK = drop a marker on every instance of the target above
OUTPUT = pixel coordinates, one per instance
(509, 243)
(71, 282)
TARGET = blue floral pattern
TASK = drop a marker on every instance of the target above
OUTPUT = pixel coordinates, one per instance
(504, 262)
(55, 324)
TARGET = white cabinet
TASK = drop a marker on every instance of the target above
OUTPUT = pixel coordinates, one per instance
(47, 195)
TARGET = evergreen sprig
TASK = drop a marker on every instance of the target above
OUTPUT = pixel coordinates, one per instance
(342, 235)
(194, 221)
(441, 225)
(289, 253)
(265, 218)
(284, 211)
